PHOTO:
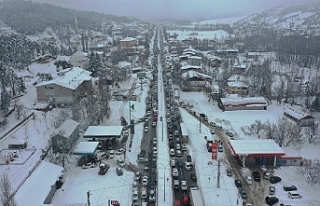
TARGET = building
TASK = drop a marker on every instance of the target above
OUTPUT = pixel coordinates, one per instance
(62, 89)
(234, 102)
(302, 119)
(240, 88)
(79, 59)
(194, 81)
(65, 136)
(128, 42)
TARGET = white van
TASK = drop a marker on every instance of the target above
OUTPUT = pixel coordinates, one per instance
(294, 195)
(176, 184)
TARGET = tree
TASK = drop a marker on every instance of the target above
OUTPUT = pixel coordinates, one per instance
(5, 101)
(312, 133)
(7, 198)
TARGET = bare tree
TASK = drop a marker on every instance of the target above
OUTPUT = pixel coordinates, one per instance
(312, 172)
(19, 111)
(7, 198)
(312, 133)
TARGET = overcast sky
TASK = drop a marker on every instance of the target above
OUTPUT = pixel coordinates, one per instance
(174, 9)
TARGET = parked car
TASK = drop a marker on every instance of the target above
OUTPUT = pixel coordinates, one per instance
(120, 151)
(294, 195)
(143, 193)
(119, 171)
(230, 134)
(145, 180)
(272, 190)
(135, 196)
(121, 163)
(193, 177)
(243, 194)
(238, 183)
(267, 175)
(184, 186)
(256, 176)
(152, 196)
(249, 180)
(220, 148)
(229, 173)
(88, 165)
(275, 179)
(290, 188)
(212, 131)
(111, 154)
(271, 200)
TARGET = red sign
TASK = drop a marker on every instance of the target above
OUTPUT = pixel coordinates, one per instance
(214, 150)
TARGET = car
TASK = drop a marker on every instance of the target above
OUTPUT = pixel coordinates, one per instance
(168, 119)
(220, 148)
(88, 165)
(178, 140)
(137, 176)
(146, 129)
(180, 163)
(281, 204)
(184, 186)
(212, 131)
(135, 196)
(119, 171)
(176, 133)
(145, 180)
(154, 141)
(178, 153)
(213, 124)
(121, 163)
(144, 204)
(249, 180)
(154, 124)
(272, 190)
(229, 173)
(238, 183)
(175, 172)
(275, 179)
(243, 194)
(135, 186)
(173, 163)
(256, 176)
(267, 175)
(290, 188)
(184, 148)
(111, 154)
(154, 150)
(230, 134)
(142, 160)
(294, 195)
(152, 196)
(170, 136)
(120, 151)
(188, 166)
(143, 193)
(193, 177)
(172, 152)
(189, 159)
(178, 146)
(146, 166)
(271, 200)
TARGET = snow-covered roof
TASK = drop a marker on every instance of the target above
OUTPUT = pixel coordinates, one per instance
(235, 78)
(194, 57)
(128, 39)
(237, 84)
(123, 64)
(67, 128)
(296, 114)
(188, 66)
(85, 148)
(248, 101)
(103, 131)
(70, 78)
(255, 147)
(192, 73)
(36, 188)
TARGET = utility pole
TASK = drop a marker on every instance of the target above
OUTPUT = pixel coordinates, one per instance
(88, 198)
(218, 176)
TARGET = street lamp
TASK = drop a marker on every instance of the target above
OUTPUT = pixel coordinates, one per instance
(164, 180)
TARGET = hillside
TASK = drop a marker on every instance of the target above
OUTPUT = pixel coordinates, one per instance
(30, 18)
(298, 16)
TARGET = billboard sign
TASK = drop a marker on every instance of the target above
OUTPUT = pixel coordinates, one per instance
(214, 150)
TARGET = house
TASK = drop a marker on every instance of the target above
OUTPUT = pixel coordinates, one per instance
(128, 42)
(65, 136)
(79, 59)
(240, 88)
(302, 119)
(234, 102)
(193, 80)
(62, 89)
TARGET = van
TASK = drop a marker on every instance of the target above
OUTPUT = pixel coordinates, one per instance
(176, 184)
(294, 195)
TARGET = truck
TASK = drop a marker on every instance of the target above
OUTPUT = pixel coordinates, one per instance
(196, 196)
(103, 169)
(184, 132)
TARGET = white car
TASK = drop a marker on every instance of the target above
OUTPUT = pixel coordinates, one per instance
(88, 165)
(135, 196)
(145, 180)
(212, 131)
(172, 152)
(146, 129)
(154, 141)
(184, 185)
(120, 151)
(184, 148)
(121, 163)
(152, 196)
(154, 150)
(178, 146)
(188, 166)
(249, 180)
(143, 193)
(154, 124)
(173, 163)
(175, 172)
(111, 154)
